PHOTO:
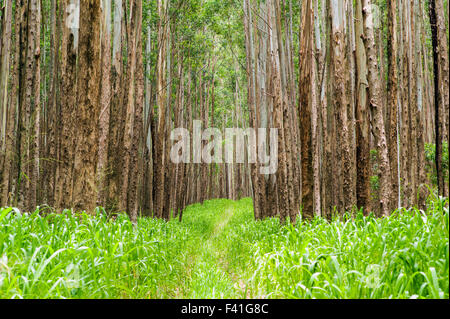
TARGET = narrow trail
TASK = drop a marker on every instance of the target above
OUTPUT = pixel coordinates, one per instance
(207, 273)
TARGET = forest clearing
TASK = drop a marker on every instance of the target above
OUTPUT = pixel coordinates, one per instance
(267, 149)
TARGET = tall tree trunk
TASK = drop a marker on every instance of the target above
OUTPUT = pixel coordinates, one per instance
(362, 118)
(392, 102)
(348, 197)
(129, 102)
(161, 102)
(64, 169)
(5, 55)
(136, 165)
(8, 109)
(116, 109)
(30, 107)
(105, 102)
(52, 116)
(376, 109)
(306, 104)
(88, 111)
(441, 83)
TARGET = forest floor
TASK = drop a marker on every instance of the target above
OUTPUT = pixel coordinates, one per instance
(209, 274)
(233, 256)
(220, 251)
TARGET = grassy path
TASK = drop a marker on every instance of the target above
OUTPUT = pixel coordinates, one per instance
(207, 273)
(232, 256)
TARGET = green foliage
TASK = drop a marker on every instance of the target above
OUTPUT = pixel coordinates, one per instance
(374, 184)
(67, 256)
(430, 166)
(219, 251)
(202, 33)
(374, 180)
(403, 256)
(340, 266)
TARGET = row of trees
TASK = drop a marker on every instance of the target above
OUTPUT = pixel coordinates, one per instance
(90, 91)
(79, 126)
(367, 84)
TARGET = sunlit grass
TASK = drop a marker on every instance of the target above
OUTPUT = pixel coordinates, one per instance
(219, 251)
(403, 256)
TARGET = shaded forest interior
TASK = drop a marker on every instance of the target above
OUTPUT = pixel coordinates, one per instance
(90, 91)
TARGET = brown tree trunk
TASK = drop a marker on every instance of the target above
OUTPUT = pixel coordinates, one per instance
(130, 102)
(8, 109)
(376, 109)
(161, 102)
(30, 106)
(362, 118)
(88, 111)
(136, 165)
(53, 115)
(64, 170)
(392, 102)
(116, 110)
(348, 197)
(306, 103)
(105, 102)
(441, 83)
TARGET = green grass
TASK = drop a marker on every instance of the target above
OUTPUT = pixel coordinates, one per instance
(219, 251)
